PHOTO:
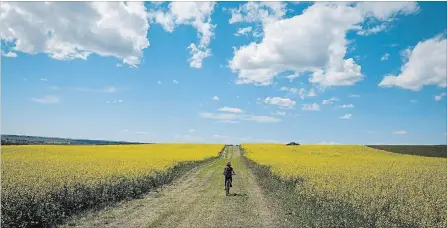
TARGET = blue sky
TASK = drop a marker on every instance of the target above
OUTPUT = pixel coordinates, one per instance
(237, 72)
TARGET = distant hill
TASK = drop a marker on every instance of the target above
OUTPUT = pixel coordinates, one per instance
(37, 140)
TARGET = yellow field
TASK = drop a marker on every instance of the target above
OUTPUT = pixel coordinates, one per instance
(390, 188)
(74, 174)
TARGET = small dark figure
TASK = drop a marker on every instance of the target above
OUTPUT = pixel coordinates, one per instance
(228, 173)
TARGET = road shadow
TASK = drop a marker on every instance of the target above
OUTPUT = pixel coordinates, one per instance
(238, 194)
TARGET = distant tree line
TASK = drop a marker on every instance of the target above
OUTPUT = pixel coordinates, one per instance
(34, 140)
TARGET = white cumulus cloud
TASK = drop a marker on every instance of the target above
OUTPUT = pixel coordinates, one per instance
(425, 65)
(235, 117)
(215, 98)
(195, 14)
(311, 107)
(279, 113)
(219, 116)
(314, 41)
(385, 57)
(9, 54)
(346, 106)
(229, 109)
(75, 30)
(283, 102)
(263, 119)
(330, 100)
(243, 31)
(258, 12)
(439, 97)
(346, 116)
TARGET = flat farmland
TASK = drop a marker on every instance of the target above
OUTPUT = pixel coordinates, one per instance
(41, 185)
(350, 185)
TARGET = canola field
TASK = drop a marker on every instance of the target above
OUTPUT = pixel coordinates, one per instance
(41, 185)
(386, 189)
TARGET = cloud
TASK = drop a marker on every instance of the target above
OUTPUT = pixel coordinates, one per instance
(175, 81)
(311, 107)
(46, 100)
(9, 54)
(278, 52)
(278, 113)
(321, 30)
(58, 29)
(197, 55)
(215, 98)
(141, 132)
(385, 57)
(439, 97)
(195, 14)
(107, 89)
(119, 65)
(159, 82)
(373, 30)
(385, 11)
(312, 93)
(424, 65)
(283, 102)
(192, 130)
(354, 95)
(262, 119)
(346, 116)
(233, 110)
(219, 116)
(233, 117)
(227, 121)
(114, 101)
(400, 132)
(44, 79)
(285, 88)
(346, 106)
(330, 100)
(301, 92)
(258, 12)
(414, 101)
(383, 14)
(243, 31)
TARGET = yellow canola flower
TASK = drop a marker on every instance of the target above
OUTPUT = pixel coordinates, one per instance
(39, 169)
(390, 187)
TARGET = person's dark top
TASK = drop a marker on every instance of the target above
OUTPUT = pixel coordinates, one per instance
(228, 171)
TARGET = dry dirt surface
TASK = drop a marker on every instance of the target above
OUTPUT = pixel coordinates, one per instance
(197, 199)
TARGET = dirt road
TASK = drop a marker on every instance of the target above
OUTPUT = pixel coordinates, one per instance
(195, 200)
